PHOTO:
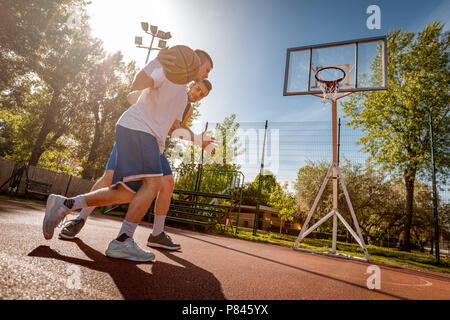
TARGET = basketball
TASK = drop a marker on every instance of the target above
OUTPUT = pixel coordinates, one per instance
(186, 66)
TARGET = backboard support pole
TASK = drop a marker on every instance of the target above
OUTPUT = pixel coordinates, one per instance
(336, 175)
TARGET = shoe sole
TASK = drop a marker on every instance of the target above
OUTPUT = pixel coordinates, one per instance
(50, 203)
(157, 245)
(65, 236)
(108, 254)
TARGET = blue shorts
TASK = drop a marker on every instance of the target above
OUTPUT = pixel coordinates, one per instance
(137, 157)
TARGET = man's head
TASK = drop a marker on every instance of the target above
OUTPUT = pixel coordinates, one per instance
(206, 64)
(199, 90)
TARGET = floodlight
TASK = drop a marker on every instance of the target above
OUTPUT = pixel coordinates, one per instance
(160, 34)
(153, 29)
(144, 26)
(138, 41)
(164, 35)
(162, 44)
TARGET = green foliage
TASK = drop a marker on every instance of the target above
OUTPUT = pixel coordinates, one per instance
(272, 194)
(284, 201)
(229, 145)
(185, 153)
(395, 122)
(268, 185)
(378, 202)
(60, 96)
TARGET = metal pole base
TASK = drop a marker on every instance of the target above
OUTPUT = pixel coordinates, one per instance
(333, 213)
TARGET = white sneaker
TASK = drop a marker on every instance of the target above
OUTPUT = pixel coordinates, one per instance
(55, 211)
(128, 250)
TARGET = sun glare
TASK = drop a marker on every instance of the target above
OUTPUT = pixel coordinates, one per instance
(117, 22)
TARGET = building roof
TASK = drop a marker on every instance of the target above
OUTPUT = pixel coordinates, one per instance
(261, 207)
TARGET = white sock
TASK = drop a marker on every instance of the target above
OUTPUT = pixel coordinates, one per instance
(85, 212)
(128, 228)
(158, 224)
(75, 203)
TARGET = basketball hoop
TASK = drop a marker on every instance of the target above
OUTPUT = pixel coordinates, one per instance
(329, 79)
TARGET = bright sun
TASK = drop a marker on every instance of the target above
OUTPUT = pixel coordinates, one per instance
(117, 22)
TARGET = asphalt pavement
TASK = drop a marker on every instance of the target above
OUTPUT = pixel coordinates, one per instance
(208, 267)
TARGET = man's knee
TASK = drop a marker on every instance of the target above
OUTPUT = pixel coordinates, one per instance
(168, 183)
(122, 195)
(108, 176)
(106, 179)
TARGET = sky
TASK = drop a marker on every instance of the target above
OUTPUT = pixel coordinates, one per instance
(247, 40)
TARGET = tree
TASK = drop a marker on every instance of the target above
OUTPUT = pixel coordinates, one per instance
(103, 100)
(268, 185)
(395, 122)
(284, 201)
(56, 51)
(376, 200)
(229, 145)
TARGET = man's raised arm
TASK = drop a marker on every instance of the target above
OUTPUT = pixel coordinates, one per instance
(142, 81)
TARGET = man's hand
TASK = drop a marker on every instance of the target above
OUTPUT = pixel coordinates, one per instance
(208, 143)
(167, 58)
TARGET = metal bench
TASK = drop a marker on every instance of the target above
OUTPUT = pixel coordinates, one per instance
(205, 197)
(37, 187)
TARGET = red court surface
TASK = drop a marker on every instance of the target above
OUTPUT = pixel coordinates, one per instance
(208, 267)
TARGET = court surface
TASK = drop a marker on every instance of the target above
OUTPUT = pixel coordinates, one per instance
(208, 267)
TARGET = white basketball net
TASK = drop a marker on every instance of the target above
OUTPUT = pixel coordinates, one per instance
(330, 82)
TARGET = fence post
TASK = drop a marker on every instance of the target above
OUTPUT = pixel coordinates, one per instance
(435, 212)
(339, 140)
(68, 184)
(255, 225)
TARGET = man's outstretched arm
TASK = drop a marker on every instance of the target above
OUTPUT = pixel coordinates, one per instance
(203, 140)
(142, 81)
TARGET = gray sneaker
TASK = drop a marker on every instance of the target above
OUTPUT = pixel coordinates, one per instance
(128, 250)
(71, 228)
(55, 211)
(162, 240)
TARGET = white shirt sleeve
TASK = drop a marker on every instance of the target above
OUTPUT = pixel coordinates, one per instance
(158, 77)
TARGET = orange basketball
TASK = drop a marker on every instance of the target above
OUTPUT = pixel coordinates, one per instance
(186, 67)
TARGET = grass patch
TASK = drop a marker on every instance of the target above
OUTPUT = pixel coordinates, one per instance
(416, 260)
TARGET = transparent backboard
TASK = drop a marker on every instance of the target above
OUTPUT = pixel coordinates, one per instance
(363, 61)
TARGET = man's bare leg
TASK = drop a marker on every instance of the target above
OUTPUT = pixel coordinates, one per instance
(58, 207)
(104, 182)
(108, 196)
(162, 204)
(143, 199)
(158, 238)
(124, 246)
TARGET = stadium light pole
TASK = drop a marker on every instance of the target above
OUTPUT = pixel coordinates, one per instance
(155, 33)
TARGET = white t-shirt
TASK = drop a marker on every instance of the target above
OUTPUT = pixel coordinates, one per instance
(156, 109)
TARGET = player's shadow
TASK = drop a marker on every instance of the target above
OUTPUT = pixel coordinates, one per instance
(166, 281)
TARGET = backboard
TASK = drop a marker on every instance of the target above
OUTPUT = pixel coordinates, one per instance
(363, 60)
